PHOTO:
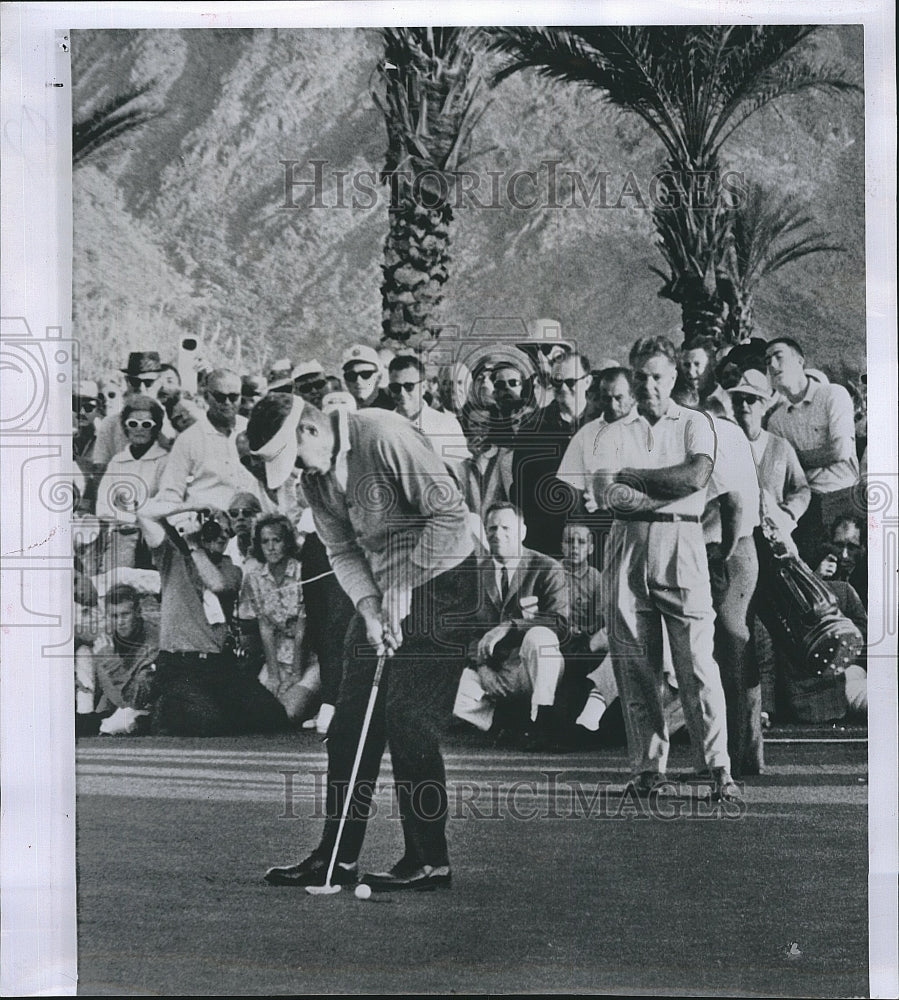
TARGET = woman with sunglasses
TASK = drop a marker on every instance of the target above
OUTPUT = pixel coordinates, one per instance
(131, 478)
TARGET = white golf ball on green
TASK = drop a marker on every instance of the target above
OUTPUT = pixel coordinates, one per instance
(363, 891)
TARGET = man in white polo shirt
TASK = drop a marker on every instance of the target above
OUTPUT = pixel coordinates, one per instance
(651, 471)
(817, 417)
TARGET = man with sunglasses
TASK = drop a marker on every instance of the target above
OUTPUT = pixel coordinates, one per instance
(407, 384)
(204, 466)
(544, 500)
(309, 382)
(252, 389)
(362, 374)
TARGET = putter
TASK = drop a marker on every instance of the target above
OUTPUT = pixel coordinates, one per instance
(327, 889)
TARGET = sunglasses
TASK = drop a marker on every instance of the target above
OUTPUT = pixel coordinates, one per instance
(243, 512)
(87, 406)
(395, 388)
(144, 380)
(507, 383)
(570, 383)
(225, 397)
(740, 400)
(355, 376)
(252, 394)
(315, 386)
(133, 423)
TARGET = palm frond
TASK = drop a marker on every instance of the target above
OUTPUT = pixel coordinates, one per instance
(117, 116)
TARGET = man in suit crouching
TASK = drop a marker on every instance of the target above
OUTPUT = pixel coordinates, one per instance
(522, 617)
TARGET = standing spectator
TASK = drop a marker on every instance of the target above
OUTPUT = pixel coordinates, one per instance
(731, 515)
(818, 419)
(200, 689)
(522, 615)
(125, 663)
(406, 384)
(785, 492)
(362, 375)
(132, 477)
(204, 467)
(243, 511)
(453, 384)
(486, 475)
(696, 376)
(85, 413)
(402, 553)
(141, 375)
(309, 382)
(545, 501)
(252, 389)
(656, 574)
(112, 392)
(280, 376)
(274, 591)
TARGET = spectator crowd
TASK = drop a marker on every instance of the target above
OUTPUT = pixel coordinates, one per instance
(677, 541)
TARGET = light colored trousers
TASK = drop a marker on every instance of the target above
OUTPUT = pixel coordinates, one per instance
(534, 669)
(656, 573)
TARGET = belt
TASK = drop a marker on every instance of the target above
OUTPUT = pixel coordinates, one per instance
(189, 655)
(655, 515)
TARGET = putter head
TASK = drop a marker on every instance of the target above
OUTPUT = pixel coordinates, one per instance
(322, 890)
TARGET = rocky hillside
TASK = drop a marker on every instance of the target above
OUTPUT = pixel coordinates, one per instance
(182, 226)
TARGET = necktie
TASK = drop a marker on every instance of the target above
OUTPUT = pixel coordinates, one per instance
(503, 584)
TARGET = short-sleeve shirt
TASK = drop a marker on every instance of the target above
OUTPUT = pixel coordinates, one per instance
(825, 415)
(280, 604)
(634, 443)
(183, 624)
(734, 472)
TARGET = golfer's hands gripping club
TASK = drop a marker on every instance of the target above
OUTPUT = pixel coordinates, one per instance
(384, 619)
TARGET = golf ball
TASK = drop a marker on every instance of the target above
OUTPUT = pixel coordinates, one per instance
(363, 891)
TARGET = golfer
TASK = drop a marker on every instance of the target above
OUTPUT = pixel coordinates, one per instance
(397, 534)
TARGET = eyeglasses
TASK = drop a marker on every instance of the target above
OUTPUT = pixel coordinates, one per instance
(225, 397)
(570, 383)
(357, 374)
(87, 405)
(395, 388)
(243, 511)
(507, 383)
(315, 386)
(145, 380)
(131, 423)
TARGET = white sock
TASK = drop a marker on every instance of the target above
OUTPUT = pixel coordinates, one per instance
(592, 712)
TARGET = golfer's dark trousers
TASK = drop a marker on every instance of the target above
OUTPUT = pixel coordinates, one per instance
(414, 706)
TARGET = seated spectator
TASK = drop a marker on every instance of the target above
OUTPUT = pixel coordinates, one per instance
(845, 558)
(200, 689)
(362, 374)
(124, 661)
(818, 419)
(785, 491)
(406, 385)
(131, 478)
(696, 381)
(523, 609)
(87, 629)
(204, 467)
(252, 389)
(274, 592)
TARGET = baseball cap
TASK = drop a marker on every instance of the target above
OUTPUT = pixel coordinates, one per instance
(752, 383)
(280, 373)
(362, 354)
(308, 368)
(279, 453)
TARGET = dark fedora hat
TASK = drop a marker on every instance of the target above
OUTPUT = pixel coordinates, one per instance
(143, 363)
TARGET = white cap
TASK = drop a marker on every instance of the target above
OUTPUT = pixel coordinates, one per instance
(279, 453)
(312, 367)
(360, 353)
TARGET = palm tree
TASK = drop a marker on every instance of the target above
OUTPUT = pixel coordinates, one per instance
(694, 86)
(430, 102)
(765, 234)
(119, 115)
